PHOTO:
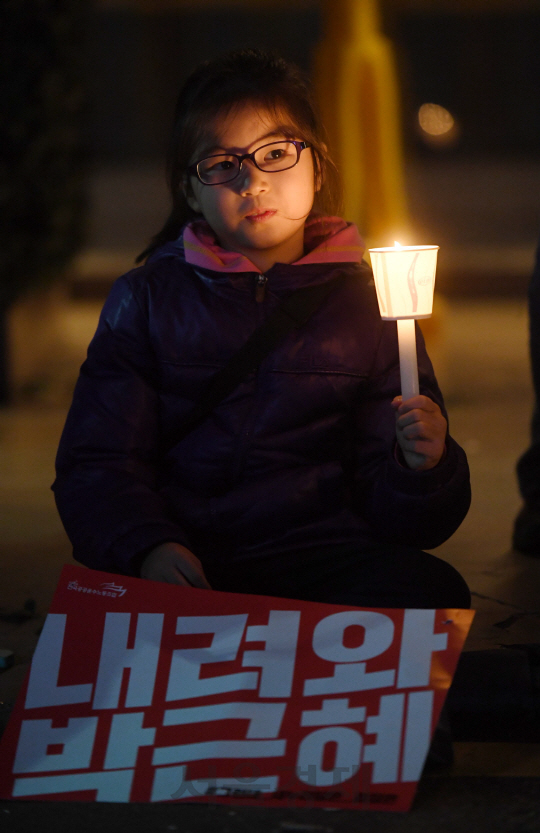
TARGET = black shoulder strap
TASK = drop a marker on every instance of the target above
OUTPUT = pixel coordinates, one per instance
(291, 314)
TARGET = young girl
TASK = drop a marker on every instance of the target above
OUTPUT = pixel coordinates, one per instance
(312, 479)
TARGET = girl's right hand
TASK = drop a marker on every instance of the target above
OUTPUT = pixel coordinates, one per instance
(174, 564)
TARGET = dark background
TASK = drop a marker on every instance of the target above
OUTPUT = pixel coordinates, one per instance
(484, 67)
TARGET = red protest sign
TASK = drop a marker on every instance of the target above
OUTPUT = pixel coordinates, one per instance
(143, 691)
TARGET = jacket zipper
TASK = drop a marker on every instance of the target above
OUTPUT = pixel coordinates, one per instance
(243, 440)
(260, 289)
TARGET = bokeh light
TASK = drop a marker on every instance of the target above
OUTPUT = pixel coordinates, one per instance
(438, 127)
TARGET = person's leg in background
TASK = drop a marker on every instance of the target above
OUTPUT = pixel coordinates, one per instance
(526, 536)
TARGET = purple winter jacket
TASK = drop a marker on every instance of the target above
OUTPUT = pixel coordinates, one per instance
(300, 455)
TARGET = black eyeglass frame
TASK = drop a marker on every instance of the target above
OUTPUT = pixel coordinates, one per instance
(193, 170)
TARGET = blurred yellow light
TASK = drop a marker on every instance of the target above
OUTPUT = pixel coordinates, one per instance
(435, 120)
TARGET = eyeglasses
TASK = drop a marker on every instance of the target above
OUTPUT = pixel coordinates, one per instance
(224, 167)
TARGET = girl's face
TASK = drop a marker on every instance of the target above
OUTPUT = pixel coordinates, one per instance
(259, 214)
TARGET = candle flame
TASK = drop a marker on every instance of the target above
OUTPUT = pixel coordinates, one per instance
(397, 245)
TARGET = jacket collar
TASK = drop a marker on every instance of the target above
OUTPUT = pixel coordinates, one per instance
(327, 240)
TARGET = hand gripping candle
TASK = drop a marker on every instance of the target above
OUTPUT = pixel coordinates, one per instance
(404, 280)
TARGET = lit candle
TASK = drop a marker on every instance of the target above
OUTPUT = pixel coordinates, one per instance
(404, 280)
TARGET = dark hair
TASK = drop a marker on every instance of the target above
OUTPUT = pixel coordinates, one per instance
(213, 90)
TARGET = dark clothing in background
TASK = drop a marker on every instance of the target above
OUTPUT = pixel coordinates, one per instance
(528, 468)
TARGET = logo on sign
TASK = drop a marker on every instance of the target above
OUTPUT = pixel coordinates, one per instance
(111, 589)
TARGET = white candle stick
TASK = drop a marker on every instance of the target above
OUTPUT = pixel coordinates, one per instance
(408, 363)
(404, 279)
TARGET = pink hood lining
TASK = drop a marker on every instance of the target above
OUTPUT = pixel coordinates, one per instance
(326, 239)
